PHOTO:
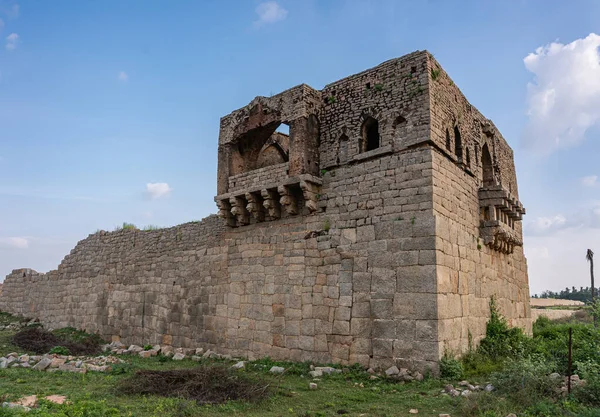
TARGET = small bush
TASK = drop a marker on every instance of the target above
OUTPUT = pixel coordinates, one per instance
(502, 341)
(526, 381)
(147, 347)
(40, 341)
(60, 350)
(590, 392)
(451, 368)
(204, 384)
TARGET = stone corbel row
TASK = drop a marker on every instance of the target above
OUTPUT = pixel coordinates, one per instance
(269, 203)
(499, 237)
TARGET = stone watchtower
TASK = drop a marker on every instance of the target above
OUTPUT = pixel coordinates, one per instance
(374, 231)
(406, 197)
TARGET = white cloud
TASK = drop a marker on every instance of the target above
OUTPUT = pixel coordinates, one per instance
(122, 76)
(589, 181)
(14, 243)
(158, 190)
(564, 99)
(269, 12)
(11, 41)
(546, 225)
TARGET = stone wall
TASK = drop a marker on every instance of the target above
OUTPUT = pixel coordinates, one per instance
(252, 179)
(375, 257)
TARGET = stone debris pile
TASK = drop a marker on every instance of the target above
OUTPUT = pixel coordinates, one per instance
(148, 351)
(52, 362)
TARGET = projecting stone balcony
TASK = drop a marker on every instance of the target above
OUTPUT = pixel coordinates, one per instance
(499, 212)
(266, 202)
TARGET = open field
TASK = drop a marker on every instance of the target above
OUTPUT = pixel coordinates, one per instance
(352, 392)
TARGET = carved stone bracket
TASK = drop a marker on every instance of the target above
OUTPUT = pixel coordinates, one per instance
(225, 212)
(255, 206)
(287, 200)
(238, 209)
(271, 203)
(310, 191)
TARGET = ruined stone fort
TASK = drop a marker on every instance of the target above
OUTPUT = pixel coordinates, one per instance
(374, 232)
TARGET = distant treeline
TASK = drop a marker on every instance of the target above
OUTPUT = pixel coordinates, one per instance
(581, 294)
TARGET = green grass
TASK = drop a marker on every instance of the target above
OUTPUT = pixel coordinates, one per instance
(337, 394)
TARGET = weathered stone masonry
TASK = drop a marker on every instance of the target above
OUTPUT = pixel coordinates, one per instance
(375, 232)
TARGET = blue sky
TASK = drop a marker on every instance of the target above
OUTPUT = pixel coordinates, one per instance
(100, 99)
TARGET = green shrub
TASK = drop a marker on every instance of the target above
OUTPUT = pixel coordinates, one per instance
(551, 340)
(451, 368)
(147, 347)
(589, 393)
(502, 341)
(59, 350)
(526, 380)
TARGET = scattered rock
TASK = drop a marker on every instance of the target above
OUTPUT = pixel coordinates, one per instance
(373, 377)
(277, 370)
(312, 386)
(454, 393)
(196, 358)
(414, 411)
(328, 370)
(15, 406)
(444, 415)
(418, 376)
(392, 371)
(512, 415)
(42, 364)
(489, 388)
(135, 349)
(199, 351)
(24, 358)
(316, 374)
(56, 399)
(371, 371)
(463, 383)
(178, 356)
(207, 354)
(465, 393)
(28, 402)
(239, 365)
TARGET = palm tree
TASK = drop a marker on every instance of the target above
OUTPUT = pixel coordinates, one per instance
(590, 257)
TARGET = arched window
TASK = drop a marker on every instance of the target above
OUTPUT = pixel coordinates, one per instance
(488, 168)
(370, 134)
(448, 141)
(468, 157)
(457, 144)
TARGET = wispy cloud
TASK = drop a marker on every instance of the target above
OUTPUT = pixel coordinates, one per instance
(11, 41)
(585, 218)
(564, 98)
(589, 181)
(269, 12)
(122, 76)
(157, 190)
(14, 243)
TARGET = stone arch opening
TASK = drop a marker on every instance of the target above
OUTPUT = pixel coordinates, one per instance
(370, 135)
(458, 150)
(448, 140)
(488, 168)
